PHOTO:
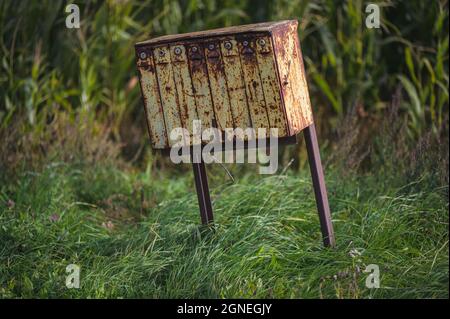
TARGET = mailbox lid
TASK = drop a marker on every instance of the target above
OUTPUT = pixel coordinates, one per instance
(220, 32)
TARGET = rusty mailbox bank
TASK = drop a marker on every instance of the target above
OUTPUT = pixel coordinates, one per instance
(249, 76)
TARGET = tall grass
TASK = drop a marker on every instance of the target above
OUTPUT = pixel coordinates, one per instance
(266, 244)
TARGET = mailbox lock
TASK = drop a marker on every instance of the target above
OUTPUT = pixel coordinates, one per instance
(262, 42)
(194, 49)
(245, 43)
(228, 45)
(211, 47)
(161, 53)
(177, 50)
(143, 55)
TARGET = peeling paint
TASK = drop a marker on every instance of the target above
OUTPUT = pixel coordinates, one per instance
(238, 77)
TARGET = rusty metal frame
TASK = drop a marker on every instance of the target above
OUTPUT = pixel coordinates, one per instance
(320, 190)
(318, 180)
(202, 188)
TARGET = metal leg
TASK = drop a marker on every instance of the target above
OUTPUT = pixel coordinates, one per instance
(320, 190)
(201, 185)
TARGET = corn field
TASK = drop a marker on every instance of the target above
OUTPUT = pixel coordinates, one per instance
(48, 70)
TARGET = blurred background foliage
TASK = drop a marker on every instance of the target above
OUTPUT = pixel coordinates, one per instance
(76, 90)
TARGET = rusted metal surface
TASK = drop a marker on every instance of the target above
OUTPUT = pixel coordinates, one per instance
(152, 101)
(235, 84)
(220, 32)
(302, 96)
(291, 74)
(167, 90)
(270, 84)
(218, 83)
(238, 77)
(183, 84)
(202, 93)
(253, 88)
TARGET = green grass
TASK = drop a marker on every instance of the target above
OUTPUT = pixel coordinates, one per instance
(267, 241)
